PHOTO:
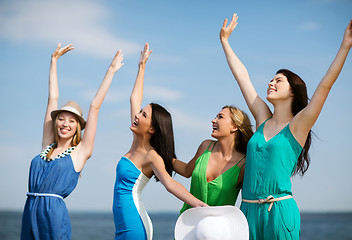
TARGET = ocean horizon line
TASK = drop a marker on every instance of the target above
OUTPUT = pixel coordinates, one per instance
(90, 211)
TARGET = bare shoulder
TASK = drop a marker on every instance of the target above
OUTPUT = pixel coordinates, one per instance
(152, 156)
(204, 145)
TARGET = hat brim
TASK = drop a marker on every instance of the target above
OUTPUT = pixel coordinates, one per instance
(80, 118)
(188, 220)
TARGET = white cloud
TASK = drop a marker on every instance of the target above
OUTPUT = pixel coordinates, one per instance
(309, 26)
(79, 22)
(189, 121)
(151, 93)
(112, 96)
(161, 93)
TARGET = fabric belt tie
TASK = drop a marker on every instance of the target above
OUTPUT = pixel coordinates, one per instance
(269, 199)
(44, 195)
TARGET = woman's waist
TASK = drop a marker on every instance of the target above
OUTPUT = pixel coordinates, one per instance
(62, 191)
(46, 195)
(262, 187)
(256, 196)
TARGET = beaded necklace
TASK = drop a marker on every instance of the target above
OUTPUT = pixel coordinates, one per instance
(48, 148)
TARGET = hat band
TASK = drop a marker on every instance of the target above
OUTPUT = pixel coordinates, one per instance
(70, 109)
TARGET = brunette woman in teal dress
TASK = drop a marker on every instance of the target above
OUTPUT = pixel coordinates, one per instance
(279, 148)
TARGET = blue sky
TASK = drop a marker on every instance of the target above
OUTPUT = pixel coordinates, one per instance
(187, 73)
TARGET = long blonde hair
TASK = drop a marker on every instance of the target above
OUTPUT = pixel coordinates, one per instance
(241, 120)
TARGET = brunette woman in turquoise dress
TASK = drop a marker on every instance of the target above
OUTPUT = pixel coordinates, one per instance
(54, 173)
(279, 148)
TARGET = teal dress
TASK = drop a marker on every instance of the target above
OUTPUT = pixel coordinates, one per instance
(269, 167)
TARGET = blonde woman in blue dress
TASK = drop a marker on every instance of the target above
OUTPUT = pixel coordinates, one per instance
(279, 148)
(54, 173)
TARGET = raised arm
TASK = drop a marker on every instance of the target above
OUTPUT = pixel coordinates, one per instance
(85, 149)
(53, 97)
(304, 120)
(172, 186)
(256, 105)
(137, 92)
(186, 169)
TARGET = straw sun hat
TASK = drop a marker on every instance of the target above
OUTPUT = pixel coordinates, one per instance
(212, 223)
(71, 107)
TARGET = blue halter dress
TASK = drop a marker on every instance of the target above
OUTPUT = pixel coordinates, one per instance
(45, 215)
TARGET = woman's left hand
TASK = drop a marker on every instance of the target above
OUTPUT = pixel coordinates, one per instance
(226, 31)
(61, 51)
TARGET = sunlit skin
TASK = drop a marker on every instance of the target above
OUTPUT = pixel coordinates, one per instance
(222, 124)
(66, 125)
(302, 122)
(299, 122)
(63, 143)
(141, 153)
(279, 88)
(224, 154)
(142, 121)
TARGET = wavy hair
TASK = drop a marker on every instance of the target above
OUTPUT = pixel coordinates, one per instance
(241, 120)
(300, 101)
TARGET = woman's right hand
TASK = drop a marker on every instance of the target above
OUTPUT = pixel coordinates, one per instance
(226, 31)
(60, 51)
(202, 204)
(117, 63)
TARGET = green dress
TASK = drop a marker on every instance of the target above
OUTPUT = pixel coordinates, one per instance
(269, 167)
(221, 191)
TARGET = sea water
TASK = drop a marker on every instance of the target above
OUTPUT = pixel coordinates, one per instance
(100, 226)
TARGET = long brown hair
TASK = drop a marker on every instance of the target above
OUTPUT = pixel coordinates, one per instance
(300, 101)
(162, 139)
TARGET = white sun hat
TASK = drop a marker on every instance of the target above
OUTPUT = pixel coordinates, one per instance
(212, 223)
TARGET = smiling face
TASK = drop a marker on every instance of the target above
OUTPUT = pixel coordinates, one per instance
(66, 125)
(222, 124)
(142, 123)
(279, 88)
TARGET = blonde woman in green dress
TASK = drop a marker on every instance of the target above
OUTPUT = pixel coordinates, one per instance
(217, 169)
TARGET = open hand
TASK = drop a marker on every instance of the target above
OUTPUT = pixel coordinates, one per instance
(61, 51)
(117, 63)
(347, 37)
(226, 31)
(145, 54)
